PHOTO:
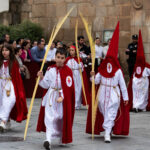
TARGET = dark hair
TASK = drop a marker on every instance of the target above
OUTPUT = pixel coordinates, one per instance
(97, 38)
(11, 56)
(61, 51)
(39, 42)
(25, 43)
(17, 50)
(18, 40)
(80, 37)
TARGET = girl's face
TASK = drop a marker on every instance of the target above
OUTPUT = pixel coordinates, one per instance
(5, 53)
(27, 46)
(14, 44)
(72, 52)
(20, 52)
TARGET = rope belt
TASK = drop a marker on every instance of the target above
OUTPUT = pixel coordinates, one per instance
(112, 87)
(56, 89)
(9, 78)
(109, 85)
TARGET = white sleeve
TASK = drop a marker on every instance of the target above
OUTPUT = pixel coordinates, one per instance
(123, 87)
(148, 71)
(45, 82)
(97, 78)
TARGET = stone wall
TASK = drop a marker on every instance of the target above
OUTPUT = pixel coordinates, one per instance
(101, 14)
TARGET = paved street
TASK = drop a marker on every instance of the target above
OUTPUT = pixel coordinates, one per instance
(139, 138)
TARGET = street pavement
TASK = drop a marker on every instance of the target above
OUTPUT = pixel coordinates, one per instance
(139, 138)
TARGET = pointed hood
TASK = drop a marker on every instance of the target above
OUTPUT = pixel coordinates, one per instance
(140, 58)
(110, 64)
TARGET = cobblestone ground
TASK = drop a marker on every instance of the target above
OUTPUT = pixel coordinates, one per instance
(139, 138)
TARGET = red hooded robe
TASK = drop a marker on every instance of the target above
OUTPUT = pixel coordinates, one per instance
(85, 81)
(140, 62)
(68, 106)
(121, 126)
(19, 111)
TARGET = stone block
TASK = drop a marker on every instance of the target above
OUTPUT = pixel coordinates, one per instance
(101, 11)
(147, 17)
(126, 10)
(98, 24)
(26, 8)
(137, 18)
(87, 9)
(147, 56)
(146, 4)
(24, 16)
(146, 48)
(125, 23)
(39, 10)
(103, 2)
(51, 10)
(44, 22)
(69, 35)
(30, 2)
(41, 1)
(56, 1)
(61, 9)
(114, 10)
(110, 22)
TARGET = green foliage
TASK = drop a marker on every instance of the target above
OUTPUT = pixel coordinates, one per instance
(26, 29)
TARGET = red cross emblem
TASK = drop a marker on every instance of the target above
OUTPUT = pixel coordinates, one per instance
(109, 68)
(69, 81)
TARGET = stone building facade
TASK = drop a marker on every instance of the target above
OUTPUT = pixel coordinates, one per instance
(101, 14)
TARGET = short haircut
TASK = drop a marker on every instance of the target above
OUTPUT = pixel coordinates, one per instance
(39, 42)
(80, 37)
(61, 51)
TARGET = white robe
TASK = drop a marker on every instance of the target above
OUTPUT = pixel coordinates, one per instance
(53, 110)
(6, 102)
(109, 97)
(140, 87)
(74, 66)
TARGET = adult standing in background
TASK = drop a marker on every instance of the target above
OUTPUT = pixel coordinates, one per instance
(131, 52)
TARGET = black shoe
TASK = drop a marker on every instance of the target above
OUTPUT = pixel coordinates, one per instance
(46, 145)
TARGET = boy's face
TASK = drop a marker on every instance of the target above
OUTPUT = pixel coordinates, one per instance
(60, 59)
(72, 52)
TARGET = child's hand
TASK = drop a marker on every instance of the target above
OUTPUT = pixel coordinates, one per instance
(92, 73)
(40, 74)
(59, 100)
(126, 103)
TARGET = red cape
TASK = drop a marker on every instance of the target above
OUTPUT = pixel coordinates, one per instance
(68, 107)
(19, 111)
(85, 81)
(122, 121)
(130, 93)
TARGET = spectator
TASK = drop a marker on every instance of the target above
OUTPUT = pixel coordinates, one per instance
(131, 52)
(51, 53)
(38, 51)
(19, 42)
(23, 69)
(26, 54)
(98, 51)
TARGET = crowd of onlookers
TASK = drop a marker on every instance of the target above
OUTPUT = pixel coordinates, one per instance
(26, 50)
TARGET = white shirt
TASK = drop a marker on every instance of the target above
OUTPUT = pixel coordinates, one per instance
(98, 51)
